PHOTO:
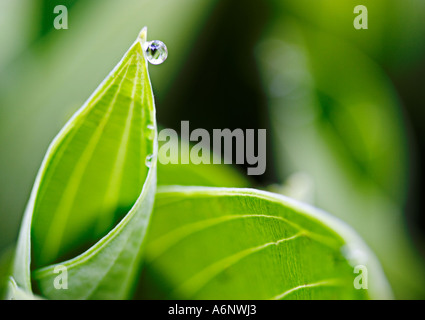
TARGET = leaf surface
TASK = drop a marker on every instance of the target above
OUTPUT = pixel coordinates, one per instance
(222, 243)
(92, 199)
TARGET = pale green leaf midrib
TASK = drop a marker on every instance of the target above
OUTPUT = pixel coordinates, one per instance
(113, 190)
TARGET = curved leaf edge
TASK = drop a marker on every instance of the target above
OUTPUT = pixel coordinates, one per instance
(379, 288)
(20, 280)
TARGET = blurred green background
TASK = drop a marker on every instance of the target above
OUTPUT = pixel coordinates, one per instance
(343, 107)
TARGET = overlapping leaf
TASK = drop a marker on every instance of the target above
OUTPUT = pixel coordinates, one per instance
(220, 243)
(93, 196)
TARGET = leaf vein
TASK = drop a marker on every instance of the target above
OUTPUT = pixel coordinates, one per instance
(202, 278)
(328, 282)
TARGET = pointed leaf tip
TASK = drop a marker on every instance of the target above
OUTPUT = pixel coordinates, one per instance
(143, 34)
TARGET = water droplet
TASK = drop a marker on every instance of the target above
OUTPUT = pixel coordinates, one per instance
(156, 51)
(148, 160)
(150, 132)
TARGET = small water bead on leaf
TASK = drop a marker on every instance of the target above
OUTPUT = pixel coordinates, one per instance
(156, 51)
(148, 160)
(150, 131)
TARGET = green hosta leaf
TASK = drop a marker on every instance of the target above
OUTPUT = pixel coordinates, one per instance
(220, 243)
(16, 293)
(59, 71)
(93, 195)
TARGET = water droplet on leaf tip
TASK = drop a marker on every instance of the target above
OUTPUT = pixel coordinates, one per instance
(156, 51)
